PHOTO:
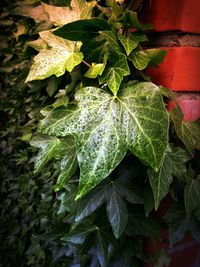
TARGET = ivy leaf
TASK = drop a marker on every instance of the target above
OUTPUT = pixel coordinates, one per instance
(188, 132)
(134, 22)
(79, 232)
(79, 9)
(173, 163)
(167, 92)
(82, 30)
(102, 247)
(192, 195)
(112, 41)
(106, 126)
(113, 194)
(140, 59)
(59, 56)
(59, 149)
(90, 203)
(95, 70)
(156, 56)
(114, 72)
(117, 212)
(131, 42)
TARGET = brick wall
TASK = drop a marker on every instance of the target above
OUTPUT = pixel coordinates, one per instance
(177, 30)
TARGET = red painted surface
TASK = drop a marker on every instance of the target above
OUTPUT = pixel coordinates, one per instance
(184, 254)
(170, 15)
(180, 70)
(189, 107)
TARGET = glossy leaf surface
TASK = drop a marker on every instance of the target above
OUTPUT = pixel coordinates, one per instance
(59, 149)
(106, 126)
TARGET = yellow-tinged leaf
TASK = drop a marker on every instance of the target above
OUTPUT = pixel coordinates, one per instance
(57, 57)
(62, 15)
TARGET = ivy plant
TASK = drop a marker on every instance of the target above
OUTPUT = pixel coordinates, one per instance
(106, 141)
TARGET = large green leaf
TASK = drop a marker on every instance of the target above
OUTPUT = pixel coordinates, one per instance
(192, 195)
(82, 30)
(62, 149)
(188, 132)
(58, 56)
(173, 163)
(106, 126)
(79, 9)
(116, 68)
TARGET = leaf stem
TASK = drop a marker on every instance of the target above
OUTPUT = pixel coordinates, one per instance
(87, 64)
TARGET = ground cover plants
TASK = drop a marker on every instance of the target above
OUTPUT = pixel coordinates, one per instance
(77, 103)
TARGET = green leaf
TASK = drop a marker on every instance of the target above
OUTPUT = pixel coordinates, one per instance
(95, 70)
(79, 9)
(68, 166)
(167, 92)
(112, 40)
(140, 59)
(113, 194)
(102, 252)
(106, 126)
(131, 42)
(79, 232)
(192, 195)
(173, 163)
(49, 149)
(155, 55)
(134, 22)
(117, 212)
(114, 72)
(59, 56)
(188, 132)
(90, 203)
(59, 149)
(82, 30)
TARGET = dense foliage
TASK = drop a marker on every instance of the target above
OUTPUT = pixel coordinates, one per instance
(109, 151)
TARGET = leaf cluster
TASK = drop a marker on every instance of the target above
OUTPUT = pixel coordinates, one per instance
(109, 151)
